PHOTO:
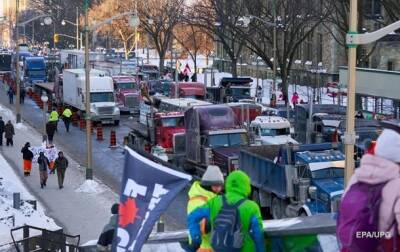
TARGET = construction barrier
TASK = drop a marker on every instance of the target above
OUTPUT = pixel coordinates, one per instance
(74, 119)
(113, 139)
(91, 127)
(82, 124)
(99, 132)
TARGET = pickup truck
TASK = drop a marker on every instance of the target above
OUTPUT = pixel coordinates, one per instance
(295, 180)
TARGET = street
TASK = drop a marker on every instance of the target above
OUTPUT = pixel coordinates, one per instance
(108, 162)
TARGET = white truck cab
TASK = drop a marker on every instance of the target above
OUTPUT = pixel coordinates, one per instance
(271, 130)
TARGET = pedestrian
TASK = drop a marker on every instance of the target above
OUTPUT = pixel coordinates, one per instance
(27, 156)
(61, 165)
(9, 133)
(371, 201)
(235, 221)
(44, 163)
(211, 184)
(194, 77)
(106, 238)
(2, 128)
(22, 94)
(66, 116)
(10, 95)
(295, 98)
(50, 130)
(54, 117)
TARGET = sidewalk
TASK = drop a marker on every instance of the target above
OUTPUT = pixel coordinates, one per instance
(79, 208)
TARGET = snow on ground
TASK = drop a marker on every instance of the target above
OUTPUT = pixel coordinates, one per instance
(9, 184)
(8, 115)
(90, 186)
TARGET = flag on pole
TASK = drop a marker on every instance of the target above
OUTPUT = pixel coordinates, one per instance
(147, 190)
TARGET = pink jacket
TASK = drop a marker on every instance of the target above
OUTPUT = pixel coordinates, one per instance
(376, 170)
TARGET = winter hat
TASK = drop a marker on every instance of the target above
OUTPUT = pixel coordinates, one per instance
(212, 176)
(388, 145)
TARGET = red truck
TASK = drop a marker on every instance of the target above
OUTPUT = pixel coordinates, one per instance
(127, 94)
(194, 90)
(245, 112)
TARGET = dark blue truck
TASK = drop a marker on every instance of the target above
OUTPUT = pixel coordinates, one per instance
(34, 70)
(295, 180)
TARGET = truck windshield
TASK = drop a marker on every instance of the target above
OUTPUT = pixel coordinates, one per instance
(36, 73)
(225, 140)
(126, 85)
(239, 91)
(102, 97)
(275, 132)
(173, 122)
(328, 173)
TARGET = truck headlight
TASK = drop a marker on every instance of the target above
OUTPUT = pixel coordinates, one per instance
(312, 192)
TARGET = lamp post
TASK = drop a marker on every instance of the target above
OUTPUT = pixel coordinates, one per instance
(17, 78)
(44, 99)
(150, 22)
(64, 22)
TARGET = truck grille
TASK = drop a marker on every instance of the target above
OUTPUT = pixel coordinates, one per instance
(132, 101)
(105, 110)
(179, 143)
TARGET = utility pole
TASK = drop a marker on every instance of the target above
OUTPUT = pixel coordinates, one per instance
(17, 78)
(77, 28)
(350, 136)
(89, 170)
(274, 54)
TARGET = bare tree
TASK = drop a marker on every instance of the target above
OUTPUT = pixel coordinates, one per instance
(296, 20)
(119, 28)
(219, 18)
(164, 16)
(194, 40)
(392, 9)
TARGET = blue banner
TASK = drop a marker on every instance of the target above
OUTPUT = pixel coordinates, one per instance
(147, 190)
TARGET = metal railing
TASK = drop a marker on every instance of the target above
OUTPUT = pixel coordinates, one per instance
(44, 240)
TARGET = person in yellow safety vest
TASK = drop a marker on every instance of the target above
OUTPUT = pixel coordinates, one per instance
(54, 117)
(210, 185)
(66, 116)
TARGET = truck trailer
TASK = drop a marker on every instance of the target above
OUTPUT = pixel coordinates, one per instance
(103, 107)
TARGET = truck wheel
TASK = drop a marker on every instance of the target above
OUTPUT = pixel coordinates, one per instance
(278, 208)
(255, 196)
(116, 122)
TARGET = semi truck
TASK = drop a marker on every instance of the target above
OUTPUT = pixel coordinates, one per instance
(213, 136)
(230, 90)
(295, 180)
(195, 90)
(103, 107)
(127, 93)
(34, 70)
(271, 130)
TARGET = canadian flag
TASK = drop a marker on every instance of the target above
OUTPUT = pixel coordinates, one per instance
(187, 70)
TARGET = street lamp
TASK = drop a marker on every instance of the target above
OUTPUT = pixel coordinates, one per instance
(64, 22)
(44, 99)
(150, 22)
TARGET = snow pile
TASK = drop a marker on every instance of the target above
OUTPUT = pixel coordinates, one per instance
(90, 186)
(9, 184)
(9, 115)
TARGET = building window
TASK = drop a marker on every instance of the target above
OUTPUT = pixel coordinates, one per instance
(390, 65)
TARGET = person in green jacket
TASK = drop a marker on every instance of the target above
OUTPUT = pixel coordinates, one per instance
(202, 191)
(237, 189)
(66, 116)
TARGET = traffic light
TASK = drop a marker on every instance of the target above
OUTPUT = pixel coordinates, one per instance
(55, 38)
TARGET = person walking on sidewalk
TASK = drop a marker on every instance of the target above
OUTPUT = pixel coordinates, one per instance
(61, 165)
(106, 238)
(2, 127)
(54, 117)
(50, 130)
(44, 163)
(10, 94)
(66, 116)
(9, 133)
(27, 156)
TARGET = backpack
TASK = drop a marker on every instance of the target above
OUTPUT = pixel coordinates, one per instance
(226, 234)
(358, 215)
